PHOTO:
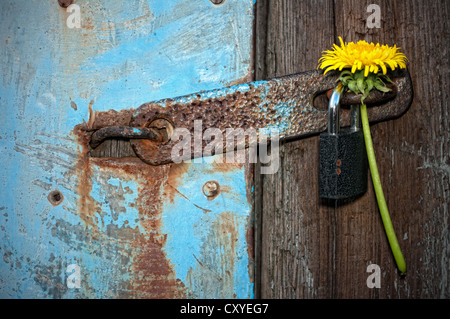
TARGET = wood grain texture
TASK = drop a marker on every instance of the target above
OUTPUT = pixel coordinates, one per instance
(321, 249)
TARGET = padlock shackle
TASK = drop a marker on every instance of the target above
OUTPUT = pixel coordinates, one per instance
(334, 111)
(355, 117)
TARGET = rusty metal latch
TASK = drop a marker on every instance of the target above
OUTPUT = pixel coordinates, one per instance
(124, 132)
(153, 133)
(285, 104)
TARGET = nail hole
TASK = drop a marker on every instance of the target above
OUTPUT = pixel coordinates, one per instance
(321, 101)
(65, 3)
(55, 197)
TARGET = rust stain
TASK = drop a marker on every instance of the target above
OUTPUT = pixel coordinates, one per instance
(91, 119)
(152, 274)
(225, 231)
(88, 23)
(249, 77)
(87, 206)
(111, 118)
(221, 166)
(176, 171)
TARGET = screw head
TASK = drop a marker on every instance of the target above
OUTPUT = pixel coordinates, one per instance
(211, 189)
(164, 127)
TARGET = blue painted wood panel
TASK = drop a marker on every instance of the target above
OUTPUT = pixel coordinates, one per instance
(123, 229)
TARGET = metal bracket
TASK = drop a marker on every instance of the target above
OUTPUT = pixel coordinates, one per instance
(285, 104)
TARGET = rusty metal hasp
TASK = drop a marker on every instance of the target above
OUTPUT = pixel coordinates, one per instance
(284, 105)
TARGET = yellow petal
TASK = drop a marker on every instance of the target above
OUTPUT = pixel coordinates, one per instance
(383, 67)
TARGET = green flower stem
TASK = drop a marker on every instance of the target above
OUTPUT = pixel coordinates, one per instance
(393, 242)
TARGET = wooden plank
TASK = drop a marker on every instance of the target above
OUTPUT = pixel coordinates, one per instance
(295, 234)
(313, 249)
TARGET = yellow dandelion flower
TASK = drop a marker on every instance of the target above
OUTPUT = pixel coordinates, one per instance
(362, 55)
(365, 61)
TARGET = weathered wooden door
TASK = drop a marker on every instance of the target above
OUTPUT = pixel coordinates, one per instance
(316, 249)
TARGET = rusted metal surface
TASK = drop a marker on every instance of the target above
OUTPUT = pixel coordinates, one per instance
(375, 97)
(284, 104)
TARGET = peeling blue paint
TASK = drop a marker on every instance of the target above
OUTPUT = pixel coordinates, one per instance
(125, 54)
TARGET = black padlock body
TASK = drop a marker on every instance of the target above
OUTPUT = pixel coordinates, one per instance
(343, 166)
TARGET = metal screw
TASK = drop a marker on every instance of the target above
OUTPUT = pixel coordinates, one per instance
(164, 128)
(65, 3)
(211, 189)
(217, 1)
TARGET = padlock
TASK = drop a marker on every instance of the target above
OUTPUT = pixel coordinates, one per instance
(343, 166)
